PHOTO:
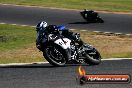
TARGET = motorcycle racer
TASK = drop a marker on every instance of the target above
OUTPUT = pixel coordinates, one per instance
(43, 29)
(60, 46)
(90, 13)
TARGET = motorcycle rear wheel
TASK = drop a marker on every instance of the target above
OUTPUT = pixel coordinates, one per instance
(100, 20)
(93, 59)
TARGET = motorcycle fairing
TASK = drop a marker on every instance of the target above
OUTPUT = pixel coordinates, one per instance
(64, 43)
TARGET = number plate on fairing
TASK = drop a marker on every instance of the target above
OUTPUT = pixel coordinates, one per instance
(65, 43)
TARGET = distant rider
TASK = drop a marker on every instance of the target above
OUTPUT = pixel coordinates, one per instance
(90, 14)
(43, 29)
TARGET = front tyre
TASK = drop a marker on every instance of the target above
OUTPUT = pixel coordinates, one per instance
(93, 57)
(54, 56)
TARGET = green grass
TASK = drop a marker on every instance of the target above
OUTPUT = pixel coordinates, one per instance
(105, 5)
(119, 55)
(17, 44)
(13, 37)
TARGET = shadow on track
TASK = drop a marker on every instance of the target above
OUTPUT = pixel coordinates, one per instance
(42, 66)
(84, 22)
(79, 23)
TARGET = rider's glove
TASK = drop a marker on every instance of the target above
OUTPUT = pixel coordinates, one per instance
(77, 36)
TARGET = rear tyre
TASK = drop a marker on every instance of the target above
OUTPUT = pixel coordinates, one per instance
(100, 20)
(93, 57)
(55, 56)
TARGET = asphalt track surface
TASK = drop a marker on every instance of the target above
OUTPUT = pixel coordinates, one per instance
(117, 23)
(47, 76)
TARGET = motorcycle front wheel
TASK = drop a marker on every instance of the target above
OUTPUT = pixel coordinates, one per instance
(54, 56)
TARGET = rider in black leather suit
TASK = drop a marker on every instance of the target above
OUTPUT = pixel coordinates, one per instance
(43, 30)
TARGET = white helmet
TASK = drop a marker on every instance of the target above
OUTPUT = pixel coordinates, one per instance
(42, 25)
